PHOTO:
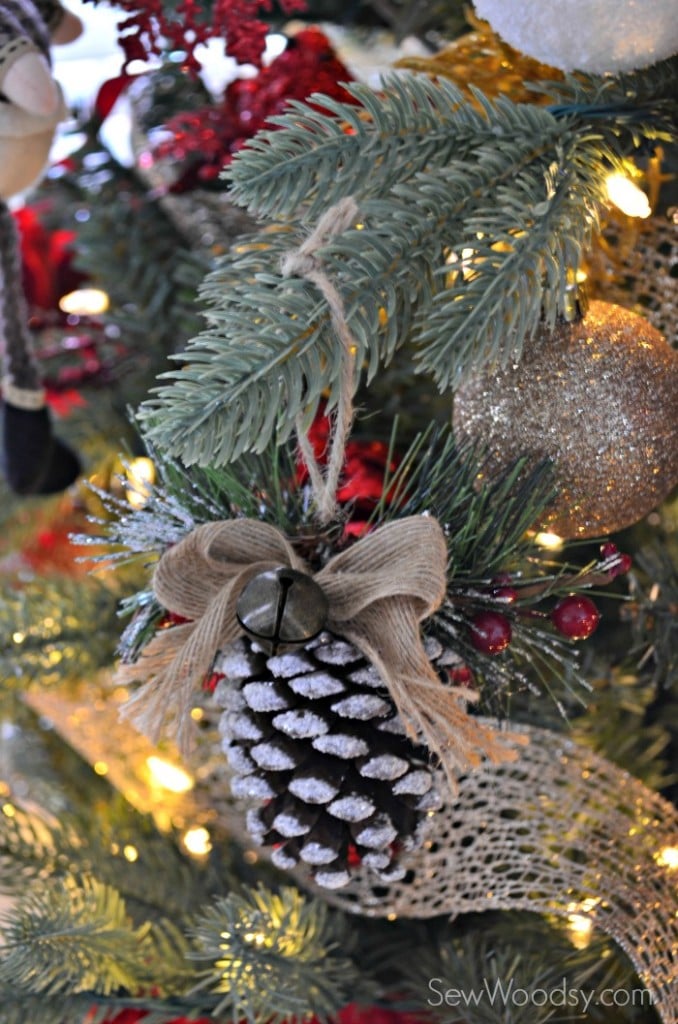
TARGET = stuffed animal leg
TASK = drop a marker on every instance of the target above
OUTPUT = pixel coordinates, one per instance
(31, 106)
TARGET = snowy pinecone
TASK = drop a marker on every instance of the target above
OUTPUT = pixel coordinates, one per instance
(319, 753)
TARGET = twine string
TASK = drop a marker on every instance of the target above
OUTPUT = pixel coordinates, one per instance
(305, 262)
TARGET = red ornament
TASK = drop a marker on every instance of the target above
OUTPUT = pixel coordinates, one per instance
(576, 617)
(625, 563)
(490, 632)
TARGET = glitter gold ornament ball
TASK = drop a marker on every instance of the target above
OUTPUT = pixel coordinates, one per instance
(599, 397)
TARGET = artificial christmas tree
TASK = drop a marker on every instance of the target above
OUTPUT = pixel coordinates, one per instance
(388, 685)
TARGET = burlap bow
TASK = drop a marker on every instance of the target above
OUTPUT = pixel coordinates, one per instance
(379, 590)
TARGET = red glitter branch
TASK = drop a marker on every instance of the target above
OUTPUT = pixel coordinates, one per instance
(150, 29)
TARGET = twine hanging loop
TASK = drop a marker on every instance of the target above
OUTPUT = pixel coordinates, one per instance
(305, 262)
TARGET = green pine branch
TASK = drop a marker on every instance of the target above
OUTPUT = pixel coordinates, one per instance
(643, 104)
(19, 1007)
(314, 159)
(523, 242)
(488, 533)
(510, 192)
(162, 882)
(47, 627)
(652, 617)
(488, 961)
(273, 956)
(65, 938)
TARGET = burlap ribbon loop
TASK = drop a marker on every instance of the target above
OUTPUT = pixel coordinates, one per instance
(379, 590)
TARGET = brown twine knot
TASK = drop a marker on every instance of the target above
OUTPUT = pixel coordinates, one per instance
(379, 590)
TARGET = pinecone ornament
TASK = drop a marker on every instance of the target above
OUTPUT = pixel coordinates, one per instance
(318, 750)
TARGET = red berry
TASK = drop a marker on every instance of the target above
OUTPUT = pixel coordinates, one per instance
(503, 590)
(490, 632)
(621, 563)
(460, 676)
(575, 617)
(625, 563)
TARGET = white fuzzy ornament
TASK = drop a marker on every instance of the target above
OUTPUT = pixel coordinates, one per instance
(587, 35)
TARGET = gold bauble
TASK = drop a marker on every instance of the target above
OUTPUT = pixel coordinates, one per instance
(599, 397)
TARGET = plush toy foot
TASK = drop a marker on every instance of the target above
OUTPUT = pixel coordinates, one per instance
(35, 461)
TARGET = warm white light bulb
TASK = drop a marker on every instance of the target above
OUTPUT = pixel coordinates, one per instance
(84, 302)
(626, 196)
(550, 541)
(668, 857)
(168, 776)
(579, 924)
(197, 841)
(140, 475)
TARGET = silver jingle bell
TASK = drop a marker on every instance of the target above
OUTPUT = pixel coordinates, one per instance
(281, 609)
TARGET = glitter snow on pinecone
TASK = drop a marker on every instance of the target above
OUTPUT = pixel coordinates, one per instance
(318, 752)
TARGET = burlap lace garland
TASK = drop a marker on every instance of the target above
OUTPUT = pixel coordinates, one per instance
(559, 831)
(638, 269)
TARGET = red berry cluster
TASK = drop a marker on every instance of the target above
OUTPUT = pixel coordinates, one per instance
(575, 616)
(205, 140)
(150, 29)
(614, 561)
